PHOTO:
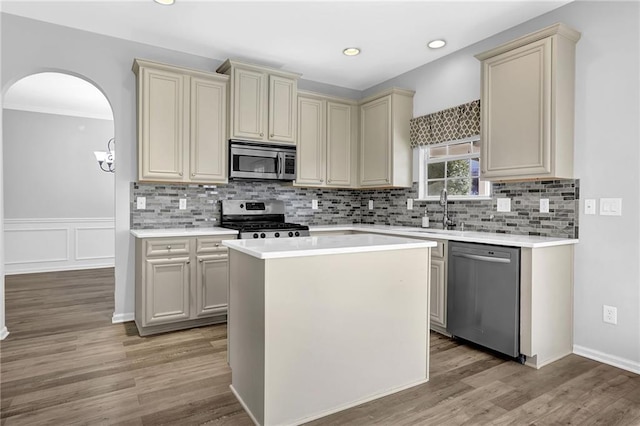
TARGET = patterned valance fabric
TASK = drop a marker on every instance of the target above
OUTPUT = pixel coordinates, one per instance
(459, 122)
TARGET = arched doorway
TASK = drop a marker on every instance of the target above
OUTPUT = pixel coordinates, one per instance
(59, 236)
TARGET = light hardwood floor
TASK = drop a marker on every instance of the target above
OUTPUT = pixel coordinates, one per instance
(64, 363)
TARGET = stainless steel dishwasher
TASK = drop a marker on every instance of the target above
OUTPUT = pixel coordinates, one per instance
(483, 296)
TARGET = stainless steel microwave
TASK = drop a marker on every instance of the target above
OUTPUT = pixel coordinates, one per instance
(250, 160)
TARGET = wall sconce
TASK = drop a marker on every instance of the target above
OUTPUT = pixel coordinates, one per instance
(107, 157)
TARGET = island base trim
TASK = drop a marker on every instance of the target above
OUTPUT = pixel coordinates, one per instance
(335, 409)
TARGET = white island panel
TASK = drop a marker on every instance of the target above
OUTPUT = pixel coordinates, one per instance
(313, 335)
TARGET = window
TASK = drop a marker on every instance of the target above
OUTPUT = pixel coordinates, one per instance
(452, 165)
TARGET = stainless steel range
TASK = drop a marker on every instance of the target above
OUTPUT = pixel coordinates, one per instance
(259, 219)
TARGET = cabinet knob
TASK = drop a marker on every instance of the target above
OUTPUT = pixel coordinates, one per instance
(271, 135)
(328, 180)
(180, 174)
(321, 180)
(217, 244)
(168, 247)
(261, 134)
(188, 262)
(200, 260)
(386, 180)
(193, 174)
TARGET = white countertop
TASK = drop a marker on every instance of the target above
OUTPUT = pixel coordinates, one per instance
(272, 248)
(528, 241)
(181, 232)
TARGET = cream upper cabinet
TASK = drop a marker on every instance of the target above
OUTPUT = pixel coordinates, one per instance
(208, 136)
(527, 112)
(326, 147)
(341, 137)
(161, 124)
(385, 152)
(311, 146)
(263, 102)
(182, 125)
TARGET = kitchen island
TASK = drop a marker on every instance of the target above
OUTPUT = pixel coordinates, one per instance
(321, 324)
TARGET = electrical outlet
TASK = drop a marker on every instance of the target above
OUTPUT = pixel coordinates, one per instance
(610, 314)
(544, 205)
(314, 204)
(141, 203)
(370, 204)
(590, 206)
(504, 204)
(183, 204)
(409, 203)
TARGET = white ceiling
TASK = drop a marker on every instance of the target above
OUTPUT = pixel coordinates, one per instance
(301, 36)
(55, 93)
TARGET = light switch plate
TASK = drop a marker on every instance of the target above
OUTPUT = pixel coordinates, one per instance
(183, 204)
(370, 204)
(544, 205)
(590, 206)
(141, 203)
(611, 206)
(409, 203)
(314, 204)
(504, 204)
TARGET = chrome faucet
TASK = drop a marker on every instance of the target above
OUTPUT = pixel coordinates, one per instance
(444, 202)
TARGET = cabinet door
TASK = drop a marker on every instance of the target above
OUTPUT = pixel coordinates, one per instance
(438, 293)
(162, 118)
(166, 290)
(311, 142)
(375, 147)
(282, 109)
(211, 285)
(516, 108)
(208, 139)
(249, 104)
(339, 143)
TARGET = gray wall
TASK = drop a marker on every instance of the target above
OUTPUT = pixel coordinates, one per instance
(30, 46)
(49, 167)
(606, 158)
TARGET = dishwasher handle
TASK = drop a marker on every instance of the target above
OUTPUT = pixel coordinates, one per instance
(483, 258)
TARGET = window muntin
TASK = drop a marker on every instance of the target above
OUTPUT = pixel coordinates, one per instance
(454, 165)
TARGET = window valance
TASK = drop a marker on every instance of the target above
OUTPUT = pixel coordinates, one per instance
(454, 123)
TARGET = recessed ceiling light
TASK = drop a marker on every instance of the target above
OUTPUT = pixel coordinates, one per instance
(165, 2)
(351, 51)
(436, 44)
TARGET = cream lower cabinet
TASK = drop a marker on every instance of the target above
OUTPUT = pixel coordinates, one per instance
(180, 283)
(385, 156)
(527, 114)
(326, 142)
(438, 315)
(182, 124)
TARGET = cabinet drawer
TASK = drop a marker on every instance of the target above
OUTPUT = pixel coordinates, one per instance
(211, 244)
(439, 250)
(158, 247)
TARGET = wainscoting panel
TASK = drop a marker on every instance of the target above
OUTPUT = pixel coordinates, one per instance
(45, 245)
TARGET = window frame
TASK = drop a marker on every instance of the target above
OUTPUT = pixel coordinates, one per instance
(422, 171)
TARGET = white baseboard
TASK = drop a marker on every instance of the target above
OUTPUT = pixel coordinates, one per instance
(623, 363)
(4, 333)
(55, 268)
(118, 318)
(50, 244)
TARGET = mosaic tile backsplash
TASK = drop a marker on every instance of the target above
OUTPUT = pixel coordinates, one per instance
(341, 206)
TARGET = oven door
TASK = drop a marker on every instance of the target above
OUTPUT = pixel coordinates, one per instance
(254, 163)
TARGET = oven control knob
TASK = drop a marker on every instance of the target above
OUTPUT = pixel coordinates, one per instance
(255, 235)
(262, 235)
(277, 234)
(291, 234)
(297, 234)
(242, 206)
